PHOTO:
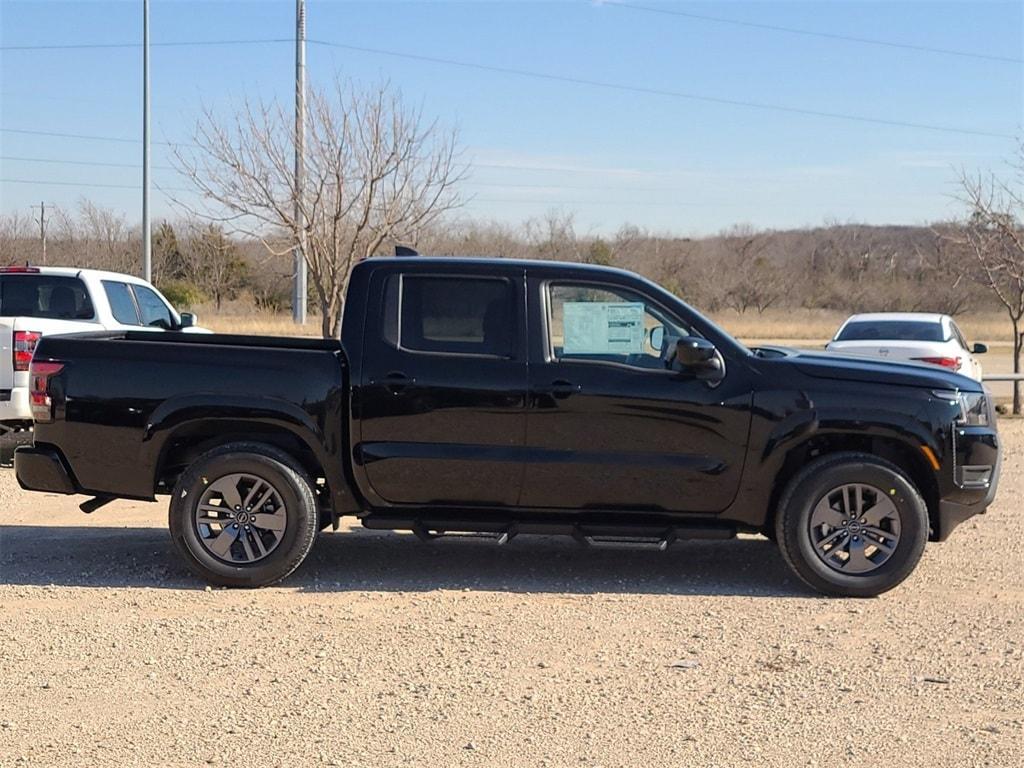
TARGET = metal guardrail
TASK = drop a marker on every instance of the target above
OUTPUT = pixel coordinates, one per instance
(1003, 377)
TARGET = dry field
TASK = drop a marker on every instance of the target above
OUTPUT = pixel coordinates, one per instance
(799, 328)
(382, 651)
(804, 326)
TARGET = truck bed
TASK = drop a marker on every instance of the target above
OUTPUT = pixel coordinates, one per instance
(126, 401)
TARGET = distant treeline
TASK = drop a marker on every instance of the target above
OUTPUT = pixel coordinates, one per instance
(845, 267)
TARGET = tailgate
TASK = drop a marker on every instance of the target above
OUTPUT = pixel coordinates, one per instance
(9, 379)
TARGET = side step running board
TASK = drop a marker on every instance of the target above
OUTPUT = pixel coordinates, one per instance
(606, 537)
(427, 534)
(624, 542)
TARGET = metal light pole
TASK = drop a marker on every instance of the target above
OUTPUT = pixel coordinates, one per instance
(147, 255)
(299, 291)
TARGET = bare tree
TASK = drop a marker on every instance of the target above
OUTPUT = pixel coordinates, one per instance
(376, 171)
(993, 235)
(15, 236)
(211, 262)
(752, 280)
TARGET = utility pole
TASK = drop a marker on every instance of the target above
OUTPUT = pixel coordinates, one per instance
(147, 245)
(42, 227)
(299, 290)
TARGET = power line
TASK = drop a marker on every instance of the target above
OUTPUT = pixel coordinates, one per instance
(91, 137)
(663, 92)
(607, 85)
(497, 185)
(90, 184)
(512, 201)
(97, 163)
(813, 33)
(169, 44)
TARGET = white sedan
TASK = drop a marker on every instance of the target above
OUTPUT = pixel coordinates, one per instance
(909, 337)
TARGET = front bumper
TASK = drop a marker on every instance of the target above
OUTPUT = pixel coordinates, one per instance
(42, 468)
(977, 462)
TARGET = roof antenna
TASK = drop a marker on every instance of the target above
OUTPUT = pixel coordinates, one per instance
(404, 250)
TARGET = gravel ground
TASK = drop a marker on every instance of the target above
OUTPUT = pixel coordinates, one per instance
(383, 651)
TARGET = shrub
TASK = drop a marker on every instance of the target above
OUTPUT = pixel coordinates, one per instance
(182, 294)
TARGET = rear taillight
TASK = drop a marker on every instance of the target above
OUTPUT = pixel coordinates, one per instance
(23, 348)
(39, 388)
(953, 363)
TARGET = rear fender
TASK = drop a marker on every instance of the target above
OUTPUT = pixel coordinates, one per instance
(210, 420)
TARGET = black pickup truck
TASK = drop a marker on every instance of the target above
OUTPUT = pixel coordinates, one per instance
(506, 397)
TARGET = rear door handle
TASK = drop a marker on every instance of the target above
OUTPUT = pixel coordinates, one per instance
(561, 389)
(396, 381)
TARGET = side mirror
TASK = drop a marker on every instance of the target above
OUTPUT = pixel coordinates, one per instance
(188, 320)
(699, 357)
(979, 349)
(657, 337)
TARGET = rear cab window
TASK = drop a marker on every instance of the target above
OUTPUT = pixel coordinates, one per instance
(450, 314)
(892, 330)
(54, 297)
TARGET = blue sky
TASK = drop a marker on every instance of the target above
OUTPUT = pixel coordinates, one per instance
(610, 156)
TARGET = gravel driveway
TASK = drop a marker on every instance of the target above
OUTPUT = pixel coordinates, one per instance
(383, 651)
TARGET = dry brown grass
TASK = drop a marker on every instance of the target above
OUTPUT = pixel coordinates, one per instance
(820, 325)
(259, 324)
(808, 326)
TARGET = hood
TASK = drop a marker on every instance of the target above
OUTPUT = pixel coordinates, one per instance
(824, 365)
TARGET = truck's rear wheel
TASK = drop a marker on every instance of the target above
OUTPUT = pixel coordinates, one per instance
(243, 515)
(852, 525)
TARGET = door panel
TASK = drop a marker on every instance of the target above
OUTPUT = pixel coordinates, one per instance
(622, 431)
(442, 403)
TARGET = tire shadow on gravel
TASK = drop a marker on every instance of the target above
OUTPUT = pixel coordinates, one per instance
(364, 560)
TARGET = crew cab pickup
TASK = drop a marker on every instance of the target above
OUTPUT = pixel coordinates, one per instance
(514, 397)
(37, 301)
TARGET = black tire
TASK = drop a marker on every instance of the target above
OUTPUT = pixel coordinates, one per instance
(274, 467)
(820, 478)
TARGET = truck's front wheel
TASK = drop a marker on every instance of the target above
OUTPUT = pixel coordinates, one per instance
(243, 515)
(851, 525)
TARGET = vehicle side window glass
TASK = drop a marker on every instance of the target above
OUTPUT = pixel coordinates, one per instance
(152, 308)
(599, 324)
(121, 303)
(45, 296)
(454, 315)
(958, 335)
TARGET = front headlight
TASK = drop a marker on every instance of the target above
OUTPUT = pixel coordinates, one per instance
(973, 406)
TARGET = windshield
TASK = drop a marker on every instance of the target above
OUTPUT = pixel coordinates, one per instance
(891, 330)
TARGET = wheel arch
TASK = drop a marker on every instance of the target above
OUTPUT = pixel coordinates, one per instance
(907, 457)
(179, 435)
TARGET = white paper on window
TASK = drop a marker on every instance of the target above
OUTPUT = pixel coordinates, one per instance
(603, 328)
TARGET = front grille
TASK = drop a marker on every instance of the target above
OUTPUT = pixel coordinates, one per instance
(5, 395)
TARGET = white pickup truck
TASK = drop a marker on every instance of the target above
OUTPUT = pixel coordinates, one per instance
(37, 301)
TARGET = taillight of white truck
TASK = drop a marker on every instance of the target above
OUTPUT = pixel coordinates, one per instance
(40, 374)
(23, 348)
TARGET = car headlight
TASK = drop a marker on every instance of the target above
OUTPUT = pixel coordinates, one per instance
(973, 406)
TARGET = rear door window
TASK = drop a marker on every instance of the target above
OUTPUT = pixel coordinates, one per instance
(122, 305)
(55, 297)
(154, 311)
(450, 315)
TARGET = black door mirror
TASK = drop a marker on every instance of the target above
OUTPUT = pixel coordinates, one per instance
(188, 320)
(979, 349)
(699, 357)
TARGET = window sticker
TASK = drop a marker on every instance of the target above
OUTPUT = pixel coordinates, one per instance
(603, 328)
